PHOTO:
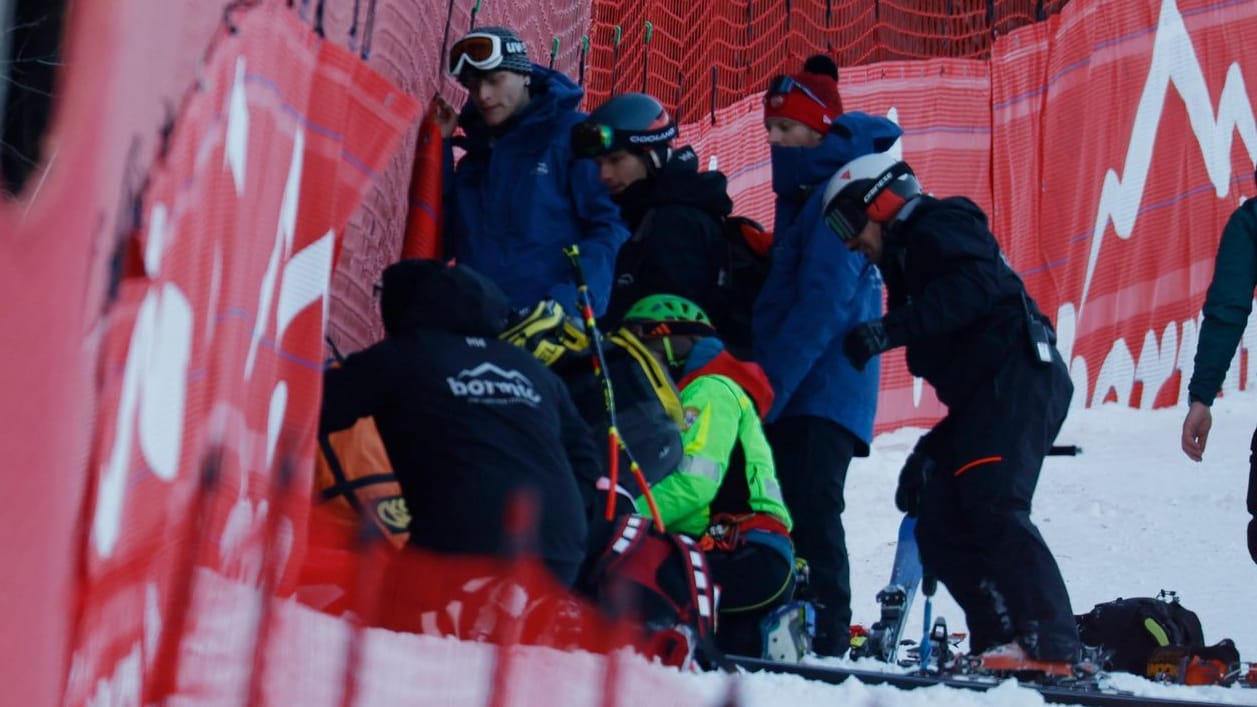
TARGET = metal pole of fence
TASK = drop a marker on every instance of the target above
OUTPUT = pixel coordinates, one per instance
(8, 8)
(353, 28)
(279, 505)
(615, 57)
(650, 30)
(714, 78)
(584, 54)
(677, 110)
(368, 29)
(163, 679)
(445, 45)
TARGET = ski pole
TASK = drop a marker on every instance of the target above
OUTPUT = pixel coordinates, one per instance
(475, 10)
(616, 443)
(554, 50)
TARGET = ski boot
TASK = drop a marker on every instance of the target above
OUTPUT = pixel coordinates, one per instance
(1011, 659)
(787, 632)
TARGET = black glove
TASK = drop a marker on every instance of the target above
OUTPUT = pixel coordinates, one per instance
(911, 481)
(865, 341)
(546, 332)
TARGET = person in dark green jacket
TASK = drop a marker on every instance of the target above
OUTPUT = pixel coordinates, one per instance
(1227, 306)
(725, 491)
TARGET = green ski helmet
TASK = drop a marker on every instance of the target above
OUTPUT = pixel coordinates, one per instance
(668, 315)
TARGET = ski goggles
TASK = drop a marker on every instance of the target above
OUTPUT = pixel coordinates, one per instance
(783, 85)
(846, 217)
(591, 139)
(482, 51)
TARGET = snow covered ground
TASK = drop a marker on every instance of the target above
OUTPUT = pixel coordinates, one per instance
(1128, 517)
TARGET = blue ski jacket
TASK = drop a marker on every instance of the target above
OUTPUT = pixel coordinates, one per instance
(816, 289)
(518, 197)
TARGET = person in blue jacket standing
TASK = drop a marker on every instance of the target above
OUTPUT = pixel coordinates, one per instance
(816, 291)
(517, 197)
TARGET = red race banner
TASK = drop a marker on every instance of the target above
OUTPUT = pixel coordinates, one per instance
(1108, 144)
(210, 370)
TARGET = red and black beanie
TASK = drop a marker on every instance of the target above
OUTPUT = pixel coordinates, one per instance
(817, 110)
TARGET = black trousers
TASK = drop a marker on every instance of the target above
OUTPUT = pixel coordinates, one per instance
(754, 579)
(812, 455)
(1252, 499)
(974, 528)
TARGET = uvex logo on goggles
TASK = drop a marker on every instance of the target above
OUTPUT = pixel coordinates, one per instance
(482, 51)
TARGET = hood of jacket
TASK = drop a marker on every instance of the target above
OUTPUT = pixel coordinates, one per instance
(426, 294)
(677, 183)
(709, 358)
(797, 171)
(551, 94)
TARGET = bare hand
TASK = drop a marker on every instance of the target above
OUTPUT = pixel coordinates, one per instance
(446, 116)
(1196, 430)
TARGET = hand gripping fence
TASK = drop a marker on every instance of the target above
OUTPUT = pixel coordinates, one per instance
(615, 441)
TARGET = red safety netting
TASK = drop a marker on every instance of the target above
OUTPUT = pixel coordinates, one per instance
(701, 57)
(209, 374)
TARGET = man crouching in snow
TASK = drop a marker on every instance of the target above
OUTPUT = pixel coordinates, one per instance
(975, 335)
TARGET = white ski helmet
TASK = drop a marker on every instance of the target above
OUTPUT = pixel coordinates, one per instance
(874, 187)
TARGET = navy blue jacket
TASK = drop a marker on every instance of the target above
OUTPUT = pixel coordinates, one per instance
(468, 421)
(518, 198)
(817, 290)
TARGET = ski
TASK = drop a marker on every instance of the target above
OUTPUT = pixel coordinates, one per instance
(882, 641)
(1083, 692)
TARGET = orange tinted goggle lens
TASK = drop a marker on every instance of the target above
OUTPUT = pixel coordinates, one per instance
(479, 51)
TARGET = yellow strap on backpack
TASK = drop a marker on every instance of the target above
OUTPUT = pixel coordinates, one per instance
(662, 383)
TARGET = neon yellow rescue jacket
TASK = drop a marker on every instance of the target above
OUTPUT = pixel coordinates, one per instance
(719, 413)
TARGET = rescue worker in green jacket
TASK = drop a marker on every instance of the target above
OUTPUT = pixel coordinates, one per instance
(725, 491)
(1227, 307)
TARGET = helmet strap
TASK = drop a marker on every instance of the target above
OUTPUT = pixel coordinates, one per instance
(667, 350)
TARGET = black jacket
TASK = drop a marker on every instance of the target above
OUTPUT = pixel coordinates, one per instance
(676, 217)
(468, 420)
(952, 298)
(1228, 303)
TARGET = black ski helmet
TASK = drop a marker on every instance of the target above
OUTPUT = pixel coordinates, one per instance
(630, 121)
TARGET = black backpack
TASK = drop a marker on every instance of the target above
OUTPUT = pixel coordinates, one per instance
(1129, 631)
(647, 406)
(744, 264)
